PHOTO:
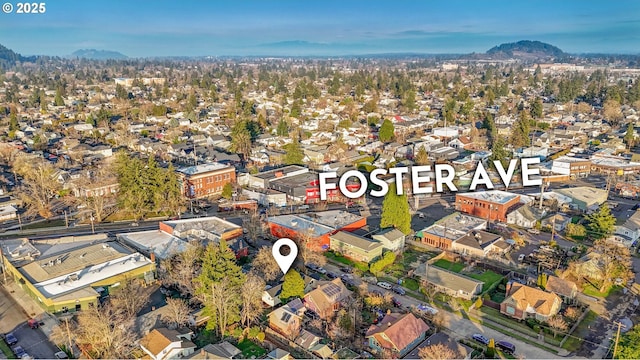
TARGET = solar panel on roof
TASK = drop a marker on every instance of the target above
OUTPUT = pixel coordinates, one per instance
(331, 290)
(285, 317)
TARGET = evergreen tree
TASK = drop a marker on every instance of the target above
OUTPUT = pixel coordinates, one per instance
(629, 137)
(498, 152)
(294, 154)
(293, 286)
(422, 158)
(282, 129)
(601, 223)
(227, 191)
(520, 131)
(59, 101)
(536, 109)
(386, 132)
(395, 211)
(219, 285)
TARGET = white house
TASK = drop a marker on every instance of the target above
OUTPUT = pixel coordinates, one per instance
(166, 344)
(629, 232)
(8, 212)
(525, 216)
(392, 239)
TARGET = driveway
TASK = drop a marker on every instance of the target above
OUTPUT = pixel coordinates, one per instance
(14, 319)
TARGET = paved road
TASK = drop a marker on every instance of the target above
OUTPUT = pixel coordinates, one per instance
(460, 327)
(13, 319)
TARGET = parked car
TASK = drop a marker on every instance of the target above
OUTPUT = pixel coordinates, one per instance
(311, 266)
(399, 290)
(534, 231)
(10, 339)
(18, 351)
(480, 338)
(506, 346)
(521, 257)
(346, 270)
(332, 275)
(396, 302)
(303, 207)
(427, 309)
(384, 285)
(61, 355)
(321, 270)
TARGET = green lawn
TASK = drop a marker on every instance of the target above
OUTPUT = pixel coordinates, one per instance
(251, 350)
(411, 284)
(590, 290)
(5, 349)
(448, 265)
(343, 260)
(488, 277)
(575, 340)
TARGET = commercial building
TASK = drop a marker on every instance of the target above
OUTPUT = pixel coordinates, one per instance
(585, 198)
(72, 273)
(448, 229)
(355, 247)
(205, 180)
(491, 205)
(318, 226)
(574, 167)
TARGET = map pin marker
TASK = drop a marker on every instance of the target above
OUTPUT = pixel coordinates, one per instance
(284, 261)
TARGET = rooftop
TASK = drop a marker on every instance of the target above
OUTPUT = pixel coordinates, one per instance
(202, 169)
(280, 172)
(455, 226)
(73, 260)
(356, 241)
(494, 196)
(160, 243)
(212, 224)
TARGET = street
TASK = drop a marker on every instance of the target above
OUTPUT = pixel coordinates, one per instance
(457, 326)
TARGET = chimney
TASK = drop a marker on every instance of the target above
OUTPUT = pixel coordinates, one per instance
(508, 288)
(153, 257)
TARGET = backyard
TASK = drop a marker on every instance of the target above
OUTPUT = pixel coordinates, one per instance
(488, 277)
(449, 265)
(250, 350)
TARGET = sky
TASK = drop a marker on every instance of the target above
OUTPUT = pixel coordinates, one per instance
(141, 28)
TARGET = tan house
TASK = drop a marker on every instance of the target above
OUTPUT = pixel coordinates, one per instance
(566, 289)
(165, 344)
(287, 319)
(355, 247)
(524, 302)
(397, 334)
(326, 298)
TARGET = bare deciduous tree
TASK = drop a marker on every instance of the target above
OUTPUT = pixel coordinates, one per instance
(176, 313)
(106, 331)
(38, 185)
(251, 295)
(130, 297)
(438, 352)
(558, 324)
(179, 270)
(264, 265)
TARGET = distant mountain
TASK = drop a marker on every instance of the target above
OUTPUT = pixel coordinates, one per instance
(9, 58)
(525, 49)
(98, 54)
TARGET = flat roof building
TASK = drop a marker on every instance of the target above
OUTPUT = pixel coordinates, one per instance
(206, 179)
(450, 228)
(490, 205)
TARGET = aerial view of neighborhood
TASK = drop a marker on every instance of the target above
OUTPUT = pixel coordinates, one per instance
(338, 180)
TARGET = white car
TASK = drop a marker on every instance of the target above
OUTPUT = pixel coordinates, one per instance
(384, 285)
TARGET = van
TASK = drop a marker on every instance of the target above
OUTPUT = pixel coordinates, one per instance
(521, 257)
(506, 346)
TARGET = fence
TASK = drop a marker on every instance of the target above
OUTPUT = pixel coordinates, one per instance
(575, 326)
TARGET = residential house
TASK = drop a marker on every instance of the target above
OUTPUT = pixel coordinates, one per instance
(308, 340)
(629, 232)
(396, 334)
(450, 283)
(8, 212)
(567, 290)
(326, 298)
(525, 216)
(480, 243)
(287, 320)
(463, 351)
(355, 247)
(524, 302)
(166, 344)
(558, 221)
(224, 350)
(391, 239)
(271, 296)
(279, 354)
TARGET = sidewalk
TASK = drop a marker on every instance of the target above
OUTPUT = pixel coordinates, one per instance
(31, 308)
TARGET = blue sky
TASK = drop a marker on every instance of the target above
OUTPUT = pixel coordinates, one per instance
(303, 27)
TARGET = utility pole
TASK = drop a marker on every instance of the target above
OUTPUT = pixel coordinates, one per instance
(93, 229)
(541, 193)
(20, 221)
(66, 219)
(615, 347)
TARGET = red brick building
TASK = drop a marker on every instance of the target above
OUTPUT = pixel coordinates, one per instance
(490, 205)
(319, 226)
(206, 179)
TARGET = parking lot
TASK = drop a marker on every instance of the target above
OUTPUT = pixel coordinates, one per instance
(14, 319)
